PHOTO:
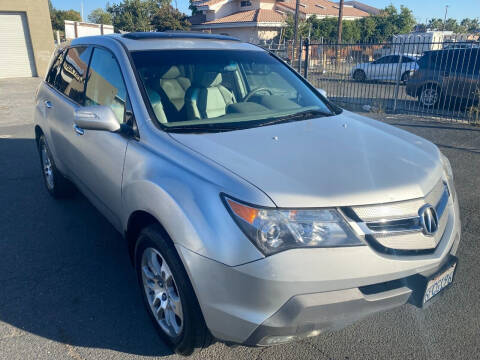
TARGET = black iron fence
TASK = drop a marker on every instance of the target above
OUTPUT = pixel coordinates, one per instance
(411, 75)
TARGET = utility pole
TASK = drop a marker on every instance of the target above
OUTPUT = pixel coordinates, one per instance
(340, 22)
(445, 18)
(81, 10)
(339, 32)
(295, 30)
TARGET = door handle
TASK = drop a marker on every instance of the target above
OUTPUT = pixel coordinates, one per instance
(78, 130)
(48, 104)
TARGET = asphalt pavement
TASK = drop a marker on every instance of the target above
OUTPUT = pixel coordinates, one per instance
(68, 291)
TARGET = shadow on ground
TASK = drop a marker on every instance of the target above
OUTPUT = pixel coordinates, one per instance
(65, 273)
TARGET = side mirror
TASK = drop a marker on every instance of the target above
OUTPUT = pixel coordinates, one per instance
(323, 92)
(97, 117)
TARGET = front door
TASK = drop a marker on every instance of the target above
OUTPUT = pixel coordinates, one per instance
(99, 155)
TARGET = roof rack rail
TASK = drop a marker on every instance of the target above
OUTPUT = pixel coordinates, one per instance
(176, 35)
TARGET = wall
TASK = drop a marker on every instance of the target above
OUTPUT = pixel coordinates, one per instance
(75, 29)
(39, 25)
(249, 34)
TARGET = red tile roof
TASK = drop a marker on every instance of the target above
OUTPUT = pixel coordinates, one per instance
(321, 7)
(258, 15)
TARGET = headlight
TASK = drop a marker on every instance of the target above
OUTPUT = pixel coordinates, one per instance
(274, 230)
(447, 169)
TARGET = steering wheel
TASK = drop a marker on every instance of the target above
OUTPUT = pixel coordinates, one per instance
(254, 91)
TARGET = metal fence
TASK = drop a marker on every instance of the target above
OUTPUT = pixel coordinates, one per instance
(411, 75)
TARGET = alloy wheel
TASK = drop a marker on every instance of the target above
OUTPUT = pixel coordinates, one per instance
(162, 292)
(47, 167)
(429, 96)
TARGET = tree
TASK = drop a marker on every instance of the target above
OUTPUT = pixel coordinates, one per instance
(100, 16)
(376, 28)
(58, 17)
(135, 15)
(169, 18)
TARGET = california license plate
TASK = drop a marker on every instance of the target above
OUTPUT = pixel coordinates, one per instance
(439, 282)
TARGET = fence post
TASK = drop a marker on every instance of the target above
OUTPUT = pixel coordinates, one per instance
(398, 76)
(307, 52)
(299, 64)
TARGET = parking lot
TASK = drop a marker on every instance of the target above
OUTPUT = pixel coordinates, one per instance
(68, 291)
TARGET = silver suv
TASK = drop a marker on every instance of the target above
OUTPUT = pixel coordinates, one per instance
(255, 211)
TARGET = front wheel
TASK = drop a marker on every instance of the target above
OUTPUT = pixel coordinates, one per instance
(168, 293)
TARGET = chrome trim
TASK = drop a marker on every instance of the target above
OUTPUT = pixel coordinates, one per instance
(402, 225)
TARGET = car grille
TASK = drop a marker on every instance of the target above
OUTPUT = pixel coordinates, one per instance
(397, 227)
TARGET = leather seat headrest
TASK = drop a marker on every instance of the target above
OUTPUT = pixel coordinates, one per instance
(209, 79)
(172, 73)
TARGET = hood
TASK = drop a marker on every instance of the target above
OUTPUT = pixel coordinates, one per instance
(342, 160)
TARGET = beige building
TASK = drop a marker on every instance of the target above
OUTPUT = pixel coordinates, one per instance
(260, 20)
(26, 38)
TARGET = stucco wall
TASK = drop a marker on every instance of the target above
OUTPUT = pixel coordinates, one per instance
(40, 27)
(249, 34)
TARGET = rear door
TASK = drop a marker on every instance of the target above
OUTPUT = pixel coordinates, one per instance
(468, 76)
(98, 156)
(62, 98)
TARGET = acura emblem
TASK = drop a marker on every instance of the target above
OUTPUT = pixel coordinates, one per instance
(429, 219)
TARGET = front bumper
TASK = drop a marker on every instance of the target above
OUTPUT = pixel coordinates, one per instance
(303, 292)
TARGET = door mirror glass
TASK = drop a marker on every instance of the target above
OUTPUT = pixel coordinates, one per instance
(97, 117)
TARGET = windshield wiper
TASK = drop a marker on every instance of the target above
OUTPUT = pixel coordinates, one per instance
(302, 115)
(202, 129)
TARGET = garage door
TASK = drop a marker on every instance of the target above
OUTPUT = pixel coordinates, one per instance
(16, 55)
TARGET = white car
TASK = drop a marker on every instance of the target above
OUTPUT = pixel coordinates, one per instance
(386, 68)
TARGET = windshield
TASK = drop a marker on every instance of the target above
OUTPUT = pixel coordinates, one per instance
(220, 90)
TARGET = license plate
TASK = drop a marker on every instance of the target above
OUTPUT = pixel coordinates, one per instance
(439, 282)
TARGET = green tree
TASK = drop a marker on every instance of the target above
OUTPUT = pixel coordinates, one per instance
(58, 17)
(135, 15)
(169, 18)
(100, 16)
(470, 25)
(377, 28)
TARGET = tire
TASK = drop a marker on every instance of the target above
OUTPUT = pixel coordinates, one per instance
(359, 75)
(429, 96)
(57, 185)
(155, 260)
(405, 77)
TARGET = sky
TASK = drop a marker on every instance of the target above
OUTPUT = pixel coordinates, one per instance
(422, 9)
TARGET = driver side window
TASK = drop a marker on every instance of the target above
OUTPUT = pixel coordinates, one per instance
(105, 85)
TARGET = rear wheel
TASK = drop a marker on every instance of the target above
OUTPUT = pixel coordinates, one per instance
(429, 96)
(405, 77)
(57, 185)
(168, 293)
(359, 75)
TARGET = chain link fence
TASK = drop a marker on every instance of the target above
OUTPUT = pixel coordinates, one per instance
(410, 75)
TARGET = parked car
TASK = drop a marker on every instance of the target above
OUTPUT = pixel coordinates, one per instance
(460, 45)
(386, 68)
(447, 78)
(254, 210)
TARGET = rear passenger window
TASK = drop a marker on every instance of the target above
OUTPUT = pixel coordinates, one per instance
(105, 83)
(55, 69)
(73, 74)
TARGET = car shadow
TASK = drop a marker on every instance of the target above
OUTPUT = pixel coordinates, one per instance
(65, 273)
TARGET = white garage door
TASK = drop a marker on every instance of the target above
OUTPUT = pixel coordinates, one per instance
(16, 55)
